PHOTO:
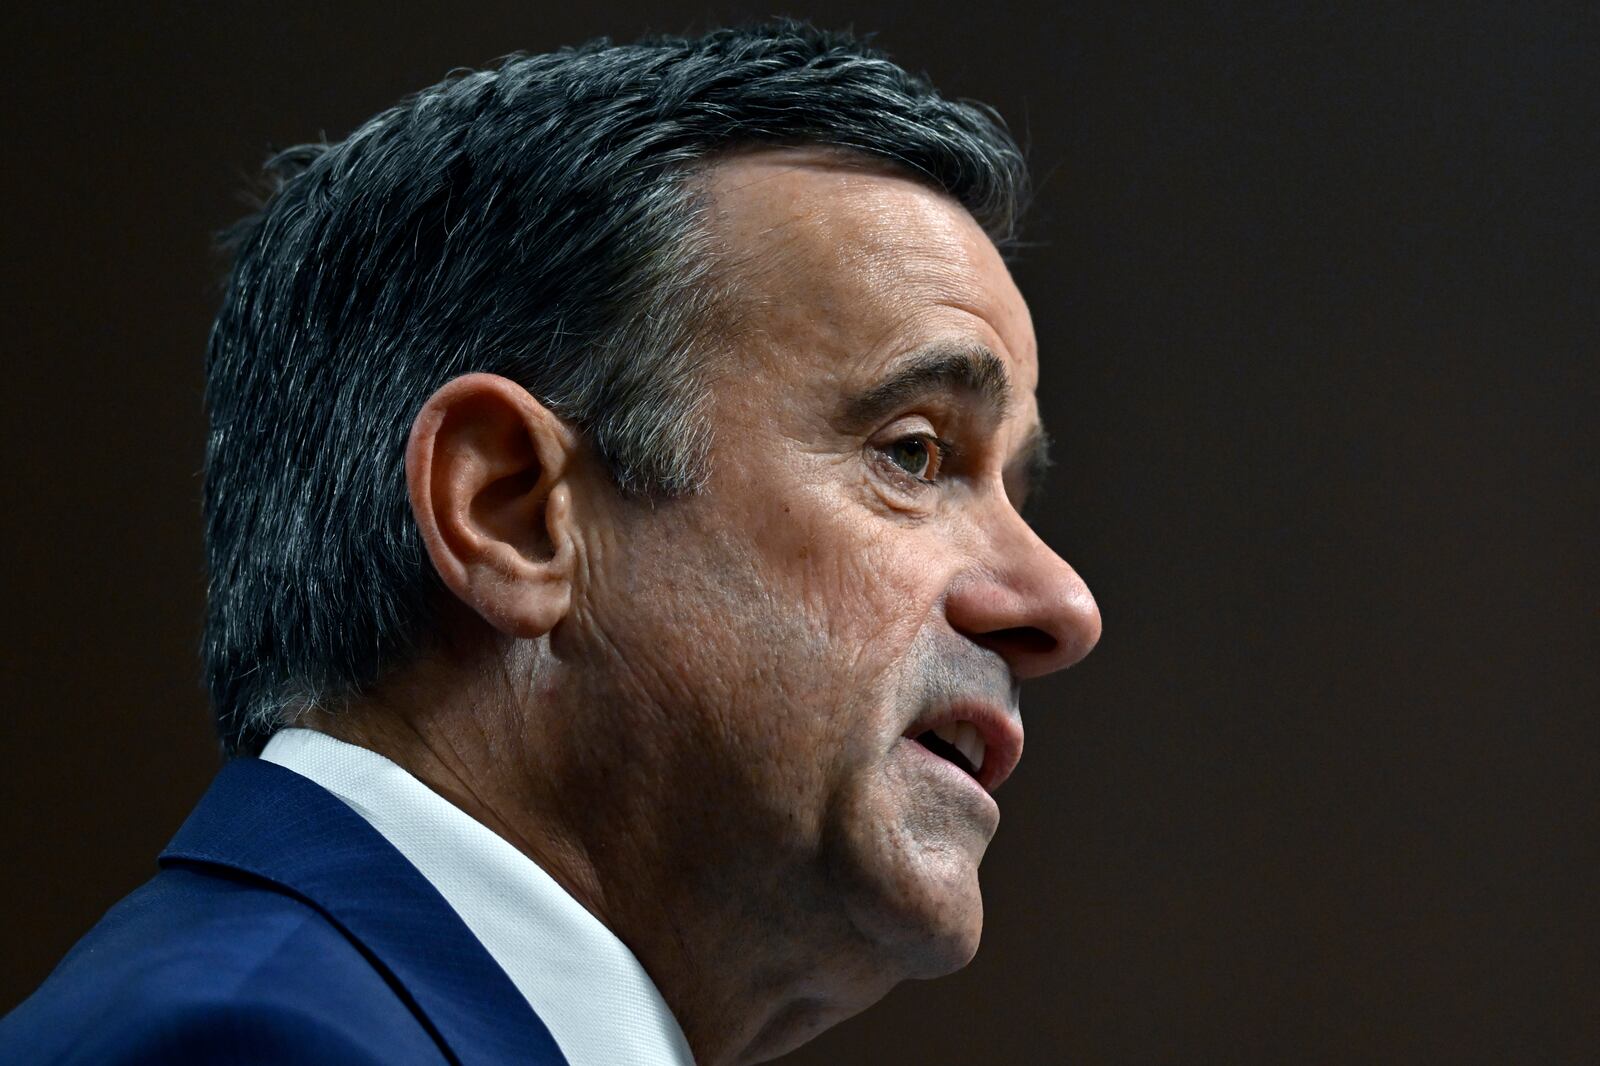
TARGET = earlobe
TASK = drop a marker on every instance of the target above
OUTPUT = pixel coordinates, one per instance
(487, 470)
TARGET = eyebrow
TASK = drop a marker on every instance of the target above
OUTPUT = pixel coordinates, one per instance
(966, 368)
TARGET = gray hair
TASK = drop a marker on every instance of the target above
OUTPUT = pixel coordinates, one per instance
(541, 221)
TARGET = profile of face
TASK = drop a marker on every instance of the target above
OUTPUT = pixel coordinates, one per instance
(761, 658)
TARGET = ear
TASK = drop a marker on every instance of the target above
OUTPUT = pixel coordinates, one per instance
(487, 470)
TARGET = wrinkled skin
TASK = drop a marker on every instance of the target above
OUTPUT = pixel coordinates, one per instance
(698, 725)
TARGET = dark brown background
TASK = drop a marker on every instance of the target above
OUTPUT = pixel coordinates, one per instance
(1316, 289)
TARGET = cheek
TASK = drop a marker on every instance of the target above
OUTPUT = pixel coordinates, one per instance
(868, 585)
(825, 628)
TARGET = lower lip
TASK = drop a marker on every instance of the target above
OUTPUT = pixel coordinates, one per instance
(940, 765)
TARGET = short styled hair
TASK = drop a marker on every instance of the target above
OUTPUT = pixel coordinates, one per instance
(538, 220)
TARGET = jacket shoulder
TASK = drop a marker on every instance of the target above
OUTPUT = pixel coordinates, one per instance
(204, 965)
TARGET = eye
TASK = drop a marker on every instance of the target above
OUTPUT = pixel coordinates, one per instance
(920, 455)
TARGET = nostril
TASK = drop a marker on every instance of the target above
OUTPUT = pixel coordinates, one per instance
(1024, 639)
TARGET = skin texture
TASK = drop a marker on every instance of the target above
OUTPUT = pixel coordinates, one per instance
(692, 713)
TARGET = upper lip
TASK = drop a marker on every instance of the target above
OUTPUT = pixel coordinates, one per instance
(1001, 732)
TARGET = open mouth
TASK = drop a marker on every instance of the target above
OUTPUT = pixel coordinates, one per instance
(959, 743)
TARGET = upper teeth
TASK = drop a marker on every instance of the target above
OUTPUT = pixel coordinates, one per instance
(966, 739)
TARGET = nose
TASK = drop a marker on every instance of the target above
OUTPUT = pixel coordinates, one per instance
(1024, 602)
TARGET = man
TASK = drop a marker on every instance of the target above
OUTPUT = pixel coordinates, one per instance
(618, 592)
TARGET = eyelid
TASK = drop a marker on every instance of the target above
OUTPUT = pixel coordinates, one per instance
(907, 424)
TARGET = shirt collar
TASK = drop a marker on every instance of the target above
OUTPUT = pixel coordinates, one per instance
(585, 985)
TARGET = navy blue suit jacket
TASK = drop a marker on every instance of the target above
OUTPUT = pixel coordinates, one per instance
(281, 928)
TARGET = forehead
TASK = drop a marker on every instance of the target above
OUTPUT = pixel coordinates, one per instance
(841, 265)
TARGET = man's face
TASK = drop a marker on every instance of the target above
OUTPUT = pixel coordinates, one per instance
(855, 574)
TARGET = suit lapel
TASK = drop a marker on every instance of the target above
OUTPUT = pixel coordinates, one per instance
(270, 822)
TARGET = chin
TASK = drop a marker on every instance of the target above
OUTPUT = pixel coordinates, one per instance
(923, 922)
(923, 936)
(904, 861)
(950, 945)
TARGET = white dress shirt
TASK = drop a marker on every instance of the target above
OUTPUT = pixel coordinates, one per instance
(584, 983)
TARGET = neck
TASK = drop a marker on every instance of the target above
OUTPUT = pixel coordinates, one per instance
(741, 980)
